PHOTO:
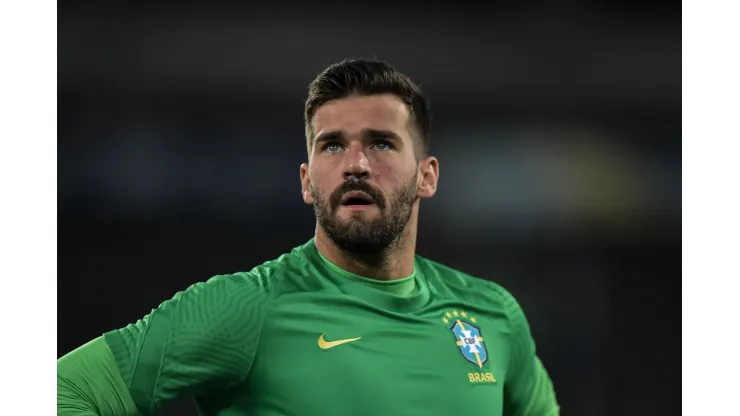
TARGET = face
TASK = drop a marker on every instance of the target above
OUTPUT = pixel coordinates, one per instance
(363, 178)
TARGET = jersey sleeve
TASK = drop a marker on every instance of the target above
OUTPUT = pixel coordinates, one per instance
(528, 389)
(202, 339)
(89, 383)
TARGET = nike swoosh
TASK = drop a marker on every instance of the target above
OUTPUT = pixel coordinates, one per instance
(325, 345)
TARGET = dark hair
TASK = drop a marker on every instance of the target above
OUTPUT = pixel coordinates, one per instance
(368, 77)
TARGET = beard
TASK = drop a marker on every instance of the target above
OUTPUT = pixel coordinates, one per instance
(360, 236)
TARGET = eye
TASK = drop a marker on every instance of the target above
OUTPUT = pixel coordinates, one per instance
(332, 147)
(383, 146)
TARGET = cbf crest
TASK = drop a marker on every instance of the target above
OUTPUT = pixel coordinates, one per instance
(468, 337)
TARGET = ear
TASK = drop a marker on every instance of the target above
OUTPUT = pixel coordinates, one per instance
(306, 185)
(428, 176)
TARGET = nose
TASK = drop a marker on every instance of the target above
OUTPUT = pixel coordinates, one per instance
(357, 171)
(358, 165)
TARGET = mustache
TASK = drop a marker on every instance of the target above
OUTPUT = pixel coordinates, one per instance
(357, 185)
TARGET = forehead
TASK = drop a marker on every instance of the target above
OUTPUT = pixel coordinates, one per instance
(356, 113)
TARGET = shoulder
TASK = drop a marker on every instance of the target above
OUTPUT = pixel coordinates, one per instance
(464, 286)
(224, 290)
(261, 279)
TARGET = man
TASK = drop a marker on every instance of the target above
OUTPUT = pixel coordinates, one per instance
(350, 323)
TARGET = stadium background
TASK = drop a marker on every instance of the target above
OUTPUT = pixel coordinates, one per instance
(557, 126)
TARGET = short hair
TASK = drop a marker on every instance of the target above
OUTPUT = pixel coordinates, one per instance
(369, 77)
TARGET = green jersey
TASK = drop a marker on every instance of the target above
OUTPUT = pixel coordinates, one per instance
(299, 336)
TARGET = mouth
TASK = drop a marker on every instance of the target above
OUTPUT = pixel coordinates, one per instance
(357, 199)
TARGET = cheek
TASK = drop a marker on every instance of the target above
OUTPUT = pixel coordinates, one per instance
(319, 181)
(393, 180)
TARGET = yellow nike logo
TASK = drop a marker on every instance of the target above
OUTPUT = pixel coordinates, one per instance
(325, 345)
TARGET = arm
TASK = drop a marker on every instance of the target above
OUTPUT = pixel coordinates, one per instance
(528, 389)
(202, 339)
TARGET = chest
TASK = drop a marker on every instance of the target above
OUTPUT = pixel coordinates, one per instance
(325, 355)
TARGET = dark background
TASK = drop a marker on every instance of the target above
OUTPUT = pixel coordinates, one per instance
(557, 126)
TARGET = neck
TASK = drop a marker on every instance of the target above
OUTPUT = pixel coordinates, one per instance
(395, 263)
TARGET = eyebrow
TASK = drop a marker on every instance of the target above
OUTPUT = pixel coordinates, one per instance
(368, 133)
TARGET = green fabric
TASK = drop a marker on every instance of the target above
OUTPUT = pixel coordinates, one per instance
(88, 383)
(297, 336)
(401, 287)
(531, 391)
(202, 340)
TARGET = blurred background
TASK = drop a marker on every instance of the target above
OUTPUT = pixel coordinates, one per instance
(557, 126)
